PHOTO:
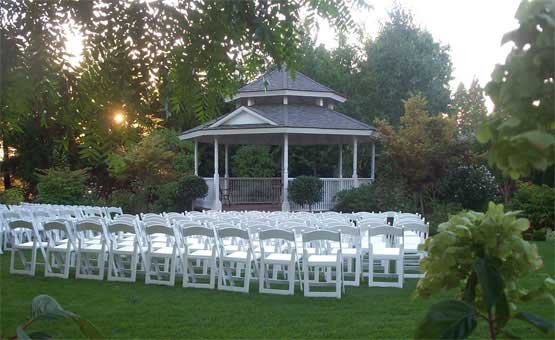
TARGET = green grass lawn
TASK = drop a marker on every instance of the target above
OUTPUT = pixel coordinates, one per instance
(123, 310)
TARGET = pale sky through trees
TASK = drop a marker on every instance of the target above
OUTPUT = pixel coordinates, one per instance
(472, 28)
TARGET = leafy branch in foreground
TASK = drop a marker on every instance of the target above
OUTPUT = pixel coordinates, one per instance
(484, 256)
(522, 130)
(46, 307)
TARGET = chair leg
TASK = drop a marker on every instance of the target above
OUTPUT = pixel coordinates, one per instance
(291, 274)
(248, 268)
(213, 269)
(370, 271)
(262, 277)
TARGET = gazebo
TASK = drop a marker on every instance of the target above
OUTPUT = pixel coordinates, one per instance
(279, 108)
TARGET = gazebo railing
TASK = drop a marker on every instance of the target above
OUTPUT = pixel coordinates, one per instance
(244, 190)
(268, 190)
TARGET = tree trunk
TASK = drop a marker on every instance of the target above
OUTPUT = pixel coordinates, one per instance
(5, 170)
(421, 201)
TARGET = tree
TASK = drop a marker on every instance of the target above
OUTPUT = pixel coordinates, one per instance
(469, 108)
(404, 60)
(306, 190)
(253, 161)
(423, 148)
(521, 131)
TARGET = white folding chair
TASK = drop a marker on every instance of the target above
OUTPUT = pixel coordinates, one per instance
(351, 253)
(233, 261)
(91, 249)
(123, 253)
(282, 253)
(24, 238)
(59, 249)
(390, 249)
(414, 235)
(169, 253)
(199, 257)
(332, 262)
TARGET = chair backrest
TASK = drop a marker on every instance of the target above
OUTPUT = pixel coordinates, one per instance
(393, 235)
(57, 230)
(197, 231)
(15, 224)
(89, 225)
(419, 229)
(121, 227)
(159, 229)
(276, 234)
(321, 235)
(232, 232)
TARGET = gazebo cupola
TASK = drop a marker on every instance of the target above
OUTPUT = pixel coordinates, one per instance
(279, 108)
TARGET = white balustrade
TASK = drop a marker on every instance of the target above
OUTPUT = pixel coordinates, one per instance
(268, 190)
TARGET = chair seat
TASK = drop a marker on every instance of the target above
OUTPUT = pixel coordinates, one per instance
(164, 251)
(201, 253)
(62, 246)
(322, 259)
(95, 247)
(29, 245)
(278, 258)
(384, 252)
(237, 256)
(345, 251)
(125, 249)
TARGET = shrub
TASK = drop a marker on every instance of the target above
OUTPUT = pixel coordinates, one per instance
(550, 235)
(382, 195)
(61, 185)
(441, 212)
(539, 235)
(189, 188)
(471, 186)
(483, 257)
(130, 202)
(536, 203)
(12, 196)
(167, 197)
(306, 190)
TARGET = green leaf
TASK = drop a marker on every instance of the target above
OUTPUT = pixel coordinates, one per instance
(540, 323)
(21, 334)
(450, 319)
(539, 139)
(490, 280)
(502, 312)
(483, 134)
(470, 289)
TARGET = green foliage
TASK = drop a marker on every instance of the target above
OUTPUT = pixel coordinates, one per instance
(536, 203)
(167, 197)
(12, 196)
(469, 108)
(385, 194)
(61, 185)
(402, 61)
(483, 256)
(131, 202)
(424, 147)
(441, 212)
(44, 307)
(522, 130)
(306, 190)
(190, 188)
(253, 161)
(470, 185)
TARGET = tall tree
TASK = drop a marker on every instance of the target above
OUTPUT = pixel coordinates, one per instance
(423, 148)
(404, 60)
(469, 108)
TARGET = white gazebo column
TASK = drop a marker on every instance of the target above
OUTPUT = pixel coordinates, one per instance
(226, 168)
(196, 157)
(373, 164)
(341, 167)
(217, 205)
(285, 176)
(355, 161)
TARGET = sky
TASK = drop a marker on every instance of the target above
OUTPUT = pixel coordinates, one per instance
(472, 28)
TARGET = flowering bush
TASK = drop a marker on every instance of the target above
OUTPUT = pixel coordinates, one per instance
(536, 204)
(471, 186)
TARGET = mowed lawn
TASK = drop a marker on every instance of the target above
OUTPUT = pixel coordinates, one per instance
(124, 310)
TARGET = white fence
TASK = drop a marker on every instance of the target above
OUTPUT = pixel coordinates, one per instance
(243, 190)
